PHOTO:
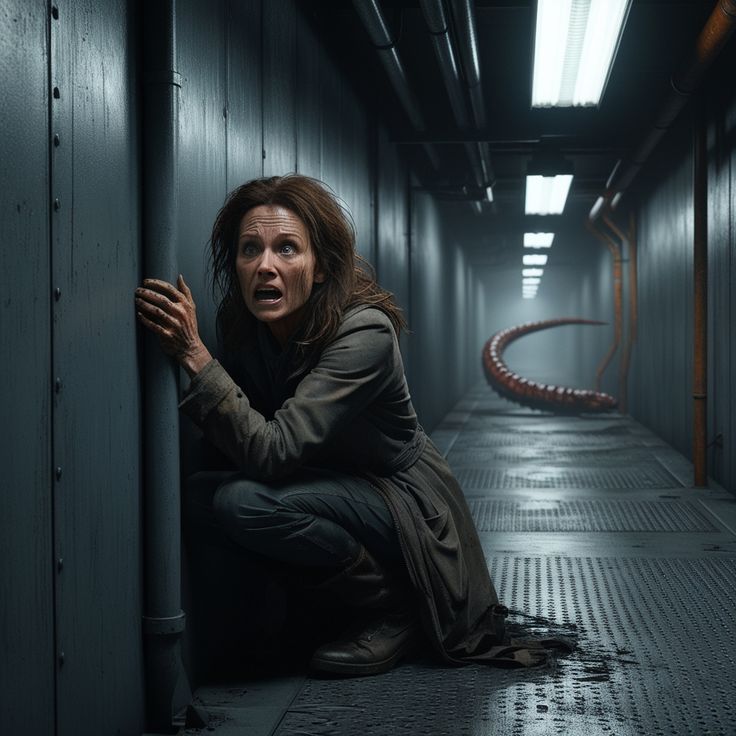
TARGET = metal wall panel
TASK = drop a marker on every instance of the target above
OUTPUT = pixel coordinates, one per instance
(26, 554)
(96, 422)
(722, 307)
(244, 129)
(661, 386)
(436, 319)
(311, 61)
(279, 87)
(392, 248)
(204, 141)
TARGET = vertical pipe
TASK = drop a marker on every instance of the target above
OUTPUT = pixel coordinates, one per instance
(633, 316)
(617, 300)
(700, 302)
(627, 242)
(163, 621)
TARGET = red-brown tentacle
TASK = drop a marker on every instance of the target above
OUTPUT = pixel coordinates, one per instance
(530, 393)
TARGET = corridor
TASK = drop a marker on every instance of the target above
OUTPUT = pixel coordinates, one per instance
(591, 530)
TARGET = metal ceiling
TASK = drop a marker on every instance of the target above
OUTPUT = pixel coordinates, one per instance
(657, 37)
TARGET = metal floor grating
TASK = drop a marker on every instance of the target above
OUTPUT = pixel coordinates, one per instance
(650, 660)
(588, 515)
(645, 580)
(609, 455)
(561, 477)
(469, 438)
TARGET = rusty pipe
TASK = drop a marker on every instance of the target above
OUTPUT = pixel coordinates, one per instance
(628, 244)
(633, 315)
(700, 301)
(617, 300)
(529, 393)
(708, 45)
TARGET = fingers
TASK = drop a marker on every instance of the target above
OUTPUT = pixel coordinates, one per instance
(184, 288)
(164, 288)
(153, 326)
(162, 314)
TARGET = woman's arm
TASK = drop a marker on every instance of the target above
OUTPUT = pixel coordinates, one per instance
(170, 313)
(351, 372)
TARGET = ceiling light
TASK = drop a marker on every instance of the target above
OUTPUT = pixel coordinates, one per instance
(530, 280)
(532, 271)
(533, 259)
(546, 195)
(574, 45)
(489, 194)
(538, 240)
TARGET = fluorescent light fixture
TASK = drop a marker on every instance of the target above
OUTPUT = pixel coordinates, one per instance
(530, 280)
(574, 45)
(532, 271)
(538, 240)
(489, 194)
(546, 195)
(534, 259)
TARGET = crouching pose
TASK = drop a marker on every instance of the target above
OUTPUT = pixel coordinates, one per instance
(309, 400)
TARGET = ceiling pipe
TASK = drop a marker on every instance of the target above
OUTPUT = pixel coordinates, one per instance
(377, 29)
(716, 32)
(436, 20)
(463, 13)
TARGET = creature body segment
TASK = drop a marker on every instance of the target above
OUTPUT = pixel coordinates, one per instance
(535, 395)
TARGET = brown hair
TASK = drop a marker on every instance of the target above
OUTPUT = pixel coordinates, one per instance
(349, 278)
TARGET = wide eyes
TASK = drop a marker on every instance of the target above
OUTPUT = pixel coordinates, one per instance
(251, 248)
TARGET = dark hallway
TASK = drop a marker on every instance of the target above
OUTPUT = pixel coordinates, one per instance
(127, 127)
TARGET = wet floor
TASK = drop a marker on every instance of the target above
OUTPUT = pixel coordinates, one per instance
(591, 529)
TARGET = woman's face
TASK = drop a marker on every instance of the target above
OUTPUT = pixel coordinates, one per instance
(276, 267)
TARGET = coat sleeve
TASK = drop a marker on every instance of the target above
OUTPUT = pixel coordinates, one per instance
(352, 371)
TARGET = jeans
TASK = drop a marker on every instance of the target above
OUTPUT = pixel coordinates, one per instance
(314, 518)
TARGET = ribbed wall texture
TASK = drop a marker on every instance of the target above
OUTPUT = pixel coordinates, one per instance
(71, 561)
(259, 95)
(26, 572)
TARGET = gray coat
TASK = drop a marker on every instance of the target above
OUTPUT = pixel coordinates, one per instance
(353, 411)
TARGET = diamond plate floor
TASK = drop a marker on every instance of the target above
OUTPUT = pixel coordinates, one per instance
(590, 527)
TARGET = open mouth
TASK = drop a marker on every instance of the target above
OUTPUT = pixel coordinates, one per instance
(267, 295)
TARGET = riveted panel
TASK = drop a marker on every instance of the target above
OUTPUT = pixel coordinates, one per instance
(26, 559)
(97, 415)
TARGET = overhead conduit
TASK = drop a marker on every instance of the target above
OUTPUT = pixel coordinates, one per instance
(437, 23)
(463, 13)
(376, 27)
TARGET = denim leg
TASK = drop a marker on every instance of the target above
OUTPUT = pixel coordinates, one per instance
(314, 518)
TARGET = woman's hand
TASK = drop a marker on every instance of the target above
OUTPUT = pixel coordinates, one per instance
(170, 313)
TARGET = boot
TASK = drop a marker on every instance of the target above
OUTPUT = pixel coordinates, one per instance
(384, 634)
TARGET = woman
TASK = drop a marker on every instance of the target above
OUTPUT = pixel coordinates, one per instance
(311, 404)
